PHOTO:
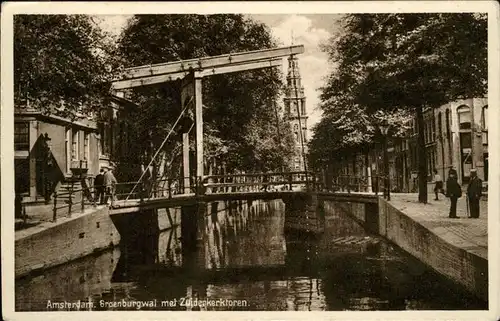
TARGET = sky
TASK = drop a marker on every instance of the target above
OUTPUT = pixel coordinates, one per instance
(310, 30)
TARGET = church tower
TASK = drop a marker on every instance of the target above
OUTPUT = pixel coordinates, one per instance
(295, 112)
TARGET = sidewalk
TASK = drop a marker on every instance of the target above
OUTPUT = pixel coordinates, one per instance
(466, 233)
(41, 213)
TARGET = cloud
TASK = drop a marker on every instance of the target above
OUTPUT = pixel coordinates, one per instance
(112, 24)
(313, 63)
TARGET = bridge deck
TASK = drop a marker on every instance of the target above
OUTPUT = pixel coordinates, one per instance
(133, 205)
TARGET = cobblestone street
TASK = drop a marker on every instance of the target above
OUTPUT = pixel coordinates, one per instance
(467, 233)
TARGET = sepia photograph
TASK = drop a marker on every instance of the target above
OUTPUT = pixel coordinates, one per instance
(222, 158)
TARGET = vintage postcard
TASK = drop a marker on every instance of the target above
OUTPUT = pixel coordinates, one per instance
(229, 160)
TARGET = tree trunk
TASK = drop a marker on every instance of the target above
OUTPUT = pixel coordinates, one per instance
(422, 157)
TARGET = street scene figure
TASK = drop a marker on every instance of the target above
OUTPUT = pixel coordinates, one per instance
(99, 188)
(110, 184)
(452, 171)
(438, 184)
(454, 192)
(474, 193)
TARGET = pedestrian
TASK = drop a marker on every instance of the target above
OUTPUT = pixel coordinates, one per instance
(265, 181)
(99, 187)
(110, 184)
(452, 171)
(454, 192)
(438, 184)
(474, 193)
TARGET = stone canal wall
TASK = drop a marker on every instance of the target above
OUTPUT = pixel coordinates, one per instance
(452, 261)
(51, 244)
(462, 266)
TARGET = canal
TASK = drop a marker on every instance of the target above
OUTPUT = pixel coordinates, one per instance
(245, 261)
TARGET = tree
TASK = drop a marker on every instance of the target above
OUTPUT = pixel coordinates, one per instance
(236, 106)
(71, 64)
(407, 61)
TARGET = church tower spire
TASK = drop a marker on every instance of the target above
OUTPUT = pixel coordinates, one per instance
(296, 113)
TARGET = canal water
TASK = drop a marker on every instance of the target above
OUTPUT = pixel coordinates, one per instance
(245, 261)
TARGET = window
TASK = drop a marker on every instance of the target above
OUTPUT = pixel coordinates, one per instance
(440, 127)
(287, 107)
(86, 148)
(484, 118)
(448, 124)
(464, 117)
(21, 135)
(433, 128)
(484, 124)
(296, 128)
(104, 138)
(74, 145)
(303, 107)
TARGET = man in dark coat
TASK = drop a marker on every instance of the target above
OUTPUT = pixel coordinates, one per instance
(452, 171)
(474, 193)
(454, 192)
(99, 187)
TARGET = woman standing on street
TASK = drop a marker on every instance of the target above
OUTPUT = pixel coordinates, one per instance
(454, 192)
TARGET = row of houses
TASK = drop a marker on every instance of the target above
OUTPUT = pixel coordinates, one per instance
(456, 134)
(50, 151)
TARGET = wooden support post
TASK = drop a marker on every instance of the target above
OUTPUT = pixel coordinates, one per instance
(185, 162)
(187, 97)
(199, 127)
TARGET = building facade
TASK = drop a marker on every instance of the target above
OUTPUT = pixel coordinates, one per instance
(296, 113)
(49, 150)
(456, 134)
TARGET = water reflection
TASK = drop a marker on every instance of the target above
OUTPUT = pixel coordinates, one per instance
(244, 254)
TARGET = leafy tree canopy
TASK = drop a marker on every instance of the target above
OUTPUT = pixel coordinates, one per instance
(389, 63)
(61, 58)
(235, 105)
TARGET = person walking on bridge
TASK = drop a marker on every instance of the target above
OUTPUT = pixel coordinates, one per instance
(110, 184)
(99, 187)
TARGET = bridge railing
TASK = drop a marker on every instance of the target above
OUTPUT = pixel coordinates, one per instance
(351, 183)
(153, 189)
(73, 201)
(244, 182)
(254, 182)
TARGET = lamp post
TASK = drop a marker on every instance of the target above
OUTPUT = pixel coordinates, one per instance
(384, 129)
